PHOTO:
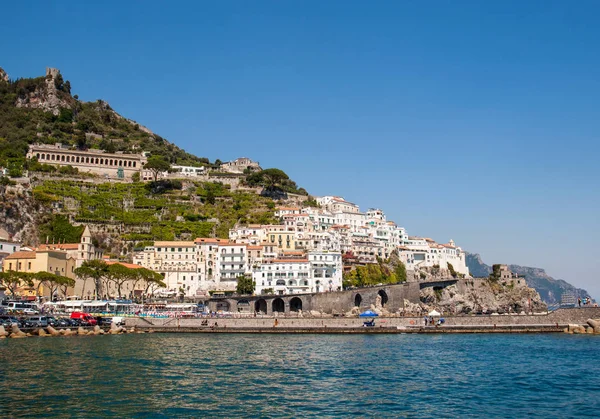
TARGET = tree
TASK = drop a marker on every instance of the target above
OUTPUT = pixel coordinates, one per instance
(148, 278)
(13, 280)
(119, 275)
(400, 272)
(157, 164)
(81, 140)
(245, 285)
(269, 178)
(60, 230)
(95, 270)
(52, 282)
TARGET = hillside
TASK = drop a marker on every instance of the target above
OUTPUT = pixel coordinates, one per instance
(42, 110)
(124, 214)
(551, 290)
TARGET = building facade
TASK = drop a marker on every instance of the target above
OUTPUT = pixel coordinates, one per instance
(110, 165)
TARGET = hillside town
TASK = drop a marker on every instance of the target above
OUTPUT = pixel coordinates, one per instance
(307, 252)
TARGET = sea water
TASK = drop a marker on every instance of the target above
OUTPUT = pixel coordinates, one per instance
(292, 376)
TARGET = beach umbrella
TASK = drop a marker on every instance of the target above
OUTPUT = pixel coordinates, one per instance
(434, 313)
(368, 313)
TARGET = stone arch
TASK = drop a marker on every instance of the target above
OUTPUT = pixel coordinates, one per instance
(223, 305)
(384, 297)
(101, 161)
(278, 305)
(296, 304)
(357, 300)
(292, 283)
(243, 306)
(62, 158)
(38, 156)
(87, 159)
(133, 164)
(260, 306)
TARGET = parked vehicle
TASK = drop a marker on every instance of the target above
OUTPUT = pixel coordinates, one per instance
(37, 321)
(118, 321)
(8, 321)
(84, 317)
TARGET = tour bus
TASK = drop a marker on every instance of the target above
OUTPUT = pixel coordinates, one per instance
(22, 307)
(111, 307)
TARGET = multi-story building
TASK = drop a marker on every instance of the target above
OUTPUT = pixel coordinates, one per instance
(48, 260)
(80, 252)
(336, 204)
(7, 245)
(240, 165)
(110, 165)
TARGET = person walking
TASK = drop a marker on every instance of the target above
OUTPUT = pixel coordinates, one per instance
(579, 302)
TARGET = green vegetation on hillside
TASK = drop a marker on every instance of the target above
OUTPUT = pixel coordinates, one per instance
(105, 129)
(184, 213)
(392, 271)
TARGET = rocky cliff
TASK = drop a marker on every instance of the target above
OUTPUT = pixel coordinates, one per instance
(484, 296)
(551, 290)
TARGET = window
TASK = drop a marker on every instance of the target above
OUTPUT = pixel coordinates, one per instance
(28, 265)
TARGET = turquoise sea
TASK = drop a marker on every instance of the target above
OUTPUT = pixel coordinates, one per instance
(290, 376)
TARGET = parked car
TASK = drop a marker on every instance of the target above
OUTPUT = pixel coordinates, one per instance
(64, 322)
(104, 321)
(37, 321)
(118, 321)
(85, 317)
(52, 321)
(8, 321)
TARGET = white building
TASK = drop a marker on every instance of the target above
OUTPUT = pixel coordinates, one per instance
(7, 246)
(336, 203)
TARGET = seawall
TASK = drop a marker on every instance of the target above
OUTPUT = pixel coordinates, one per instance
(552, 322)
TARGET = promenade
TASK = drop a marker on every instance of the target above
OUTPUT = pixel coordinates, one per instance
(553, 322)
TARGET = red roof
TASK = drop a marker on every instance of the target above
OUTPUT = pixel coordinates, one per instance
(63, 246)
(21, 255)
(127, 265)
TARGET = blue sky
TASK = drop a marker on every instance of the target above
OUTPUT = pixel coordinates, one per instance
(471, 120)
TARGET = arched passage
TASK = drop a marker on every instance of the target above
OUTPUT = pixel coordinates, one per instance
(278, 306)
(243, 306)
(222, 306)
(384, 297)
(295, 304)
(260, 306)
(357, 300)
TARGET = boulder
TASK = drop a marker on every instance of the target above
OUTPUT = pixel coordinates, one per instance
(81, 331)
(16, 332)
(315, 313)
(3, 331)
(42, 333)
(593, 323)
(53, 331)
(589, 330)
